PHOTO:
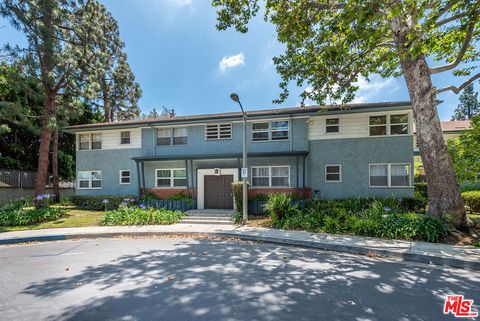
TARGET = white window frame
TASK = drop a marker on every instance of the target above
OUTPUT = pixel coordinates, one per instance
(101, 141)
(332, 125)
(270, 176)
(218, 131)
(339, 173)
(389, 175)
(80, 141)
(269, 130)
(172, 132)
(120, 176)
(171, 136)
(129, 137)
(171, 178)
(388, 123)
(90, 179)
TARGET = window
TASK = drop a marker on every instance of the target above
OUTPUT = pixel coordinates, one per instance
(333, 173)
(84, 141)
(275, 130)
(332, 125)
(180, 136)
(260, 131)
(279, 130)
(171, 177)
(378, 125)
(89, 179)
(389, 125)
(124, 177)
(172, 136)
(163, 136)
(125, 138)
(390, 175)
(399, 124)
(96, 141)
(218, 131)
(271, 176)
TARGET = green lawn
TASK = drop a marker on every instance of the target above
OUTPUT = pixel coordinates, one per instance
(475, 217)
(73, 218)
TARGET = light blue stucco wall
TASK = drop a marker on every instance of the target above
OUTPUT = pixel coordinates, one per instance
(355, 155)
(197, 145)
(110, 162)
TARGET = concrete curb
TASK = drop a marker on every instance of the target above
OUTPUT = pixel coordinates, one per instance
(353, 249)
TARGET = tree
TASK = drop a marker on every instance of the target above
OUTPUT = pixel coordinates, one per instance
(465, 152)
(165, 113)
(331, 44)
(468, 106)
(63, 39)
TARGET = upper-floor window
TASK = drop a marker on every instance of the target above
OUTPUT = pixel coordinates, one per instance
(271, 176)
(173, 177)
(84, 141)
(332, 125)
(274, 130)
(90, 179)
(125, 138)
(90, 141)
(218, 131)
(172, 136)
(96, 141)
(389, 175)
(383, 125)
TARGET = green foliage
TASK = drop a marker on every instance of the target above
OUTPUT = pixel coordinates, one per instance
(278, 205)
(470, 187)
(101, 202)
(472, 201)
(132, 215)
(365, 217)
(150, 197)
(237, 190)
(414, 204)
(469, 104)
(22, 212)
(465, 153)
(421, 190)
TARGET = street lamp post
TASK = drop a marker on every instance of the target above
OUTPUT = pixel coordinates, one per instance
(236, 99)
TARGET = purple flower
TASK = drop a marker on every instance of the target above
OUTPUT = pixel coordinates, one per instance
(123, 204)
(106, 201)
(42, 196)
(387, 209)
(142, 206)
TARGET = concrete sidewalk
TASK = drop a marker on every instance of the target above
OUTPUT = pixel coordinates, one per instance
(438, 254)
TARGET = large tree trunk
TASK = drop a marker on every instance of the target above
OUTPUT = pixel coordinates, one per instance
(444, 199)
(44, 149)
(106, 104)
(55, 180)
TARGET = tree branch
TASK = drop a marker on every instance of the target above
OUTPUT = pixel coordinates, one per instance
(456, 89)
(463, 49)
(450, 19)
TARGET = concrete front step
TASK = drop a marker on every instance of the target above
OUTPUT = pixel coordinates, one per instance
(211, 213)
(206, 218)
(216, 222)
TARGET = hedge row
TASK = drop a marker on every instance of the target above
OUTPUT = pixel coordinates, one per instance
(101, 202)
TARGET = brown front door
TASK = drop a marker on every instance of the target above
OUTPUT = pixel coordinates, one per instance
(218, 191)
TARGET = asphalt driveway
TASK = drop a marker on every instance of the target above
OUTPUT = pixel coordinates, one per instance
(210, 279)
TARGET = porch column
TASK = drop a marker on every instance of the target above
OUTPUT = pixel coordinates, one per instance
(138, 179)
(297, 196)
(143, 176)
(303, 179)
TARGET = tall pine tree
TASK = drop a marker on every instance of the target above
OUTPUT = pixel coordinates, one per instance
(469, 105)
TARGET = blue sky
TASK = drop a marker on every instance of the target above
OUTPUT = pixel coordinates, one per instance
(181, 61)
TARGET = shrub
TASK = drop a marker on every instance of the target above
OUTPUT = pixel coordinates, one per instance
(365, 226)
(132, 215)
(470, 187)
(472, 201)
(278, 205)
(412, 226)
(259, 197)
(13, 215)
(149, 197)
(421, 190)
(237, 189)
(414, 204)
(100, 202)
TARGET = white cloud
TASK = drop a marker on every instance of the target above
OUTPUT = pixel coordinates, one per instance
(228, 62)
(180, 3)
(375, 89)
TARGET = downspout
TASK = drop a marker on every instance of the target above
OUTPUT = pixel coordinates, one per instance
(138, 178)
(291, 132)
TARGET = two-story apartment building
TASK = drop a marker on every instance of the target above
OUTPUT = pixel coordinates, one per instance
(360, 150)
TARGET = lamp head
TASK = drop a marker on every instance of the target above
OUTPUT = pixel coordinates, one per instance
(235, 97)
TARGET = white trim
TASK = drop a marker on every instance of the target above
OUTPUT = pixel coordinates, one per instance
(388, 124)
(171, 178)
(218, 127)
(269, 130)
(340, 173)
(270, 176)
(89, 180)
(201, 173)
(120, 176)
(389, 175)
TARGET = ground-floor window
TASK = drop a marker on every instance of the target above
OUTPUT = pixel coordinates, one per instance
(172, 177)
(271, 176)
(125, 177)
(389, 175)
(90, 179)
(333, 173)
